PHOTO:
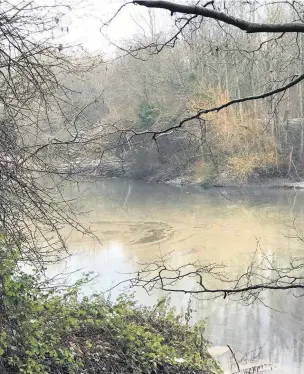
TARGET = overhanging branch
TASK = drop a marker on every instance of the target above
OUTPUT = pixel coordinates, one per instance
(201, 112)
(249, 27)
(262, 275)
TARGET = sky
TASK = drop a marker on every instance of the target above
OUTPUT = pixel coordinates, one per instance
(87, 18)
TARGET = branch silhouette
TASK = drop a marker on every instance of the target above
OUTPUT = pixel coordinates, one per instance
(249, 27)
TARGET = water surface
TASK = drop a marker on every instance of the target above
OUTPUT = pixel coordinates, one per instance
(136, 222)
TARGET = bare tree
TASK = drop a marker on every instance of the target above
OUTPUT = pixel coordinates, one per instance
(209, 11)
(33, 119)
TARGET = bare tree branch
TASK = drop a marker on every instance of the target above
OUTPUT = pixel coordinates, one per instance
(249, 27)
(233, 355)
(201, 112)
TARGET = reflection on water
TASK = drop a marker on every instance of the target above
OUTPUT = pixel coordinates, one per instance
(137, 222)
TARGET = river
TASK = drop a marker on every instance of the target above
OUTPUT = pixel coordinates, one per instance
(136, 221)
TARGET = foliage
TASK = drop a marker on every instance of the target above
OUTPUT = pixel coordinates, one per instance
(242, 167)
(202, 172)
(147, 116)
(47, 331)
(240, 144)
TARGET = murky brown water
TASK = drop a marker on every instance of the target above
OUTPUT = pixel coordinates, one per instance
(136, 221)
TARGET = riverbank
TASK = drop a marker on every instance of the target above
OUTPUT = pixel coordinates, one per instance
(111, 169)
(271, 183)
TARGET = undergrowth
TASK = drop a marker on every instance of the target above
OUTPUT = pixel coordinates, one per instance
(45, 329)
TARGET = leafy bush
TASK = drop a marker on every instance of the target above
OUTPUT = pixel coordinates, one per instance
(48, 330)
(147, 116)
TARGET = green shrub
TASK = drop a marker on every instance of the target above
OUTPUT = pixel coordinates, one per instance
(48, 330)
(147, 116)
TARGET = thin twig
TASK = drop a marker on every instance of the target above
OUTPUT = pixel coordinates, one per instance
(233, 355)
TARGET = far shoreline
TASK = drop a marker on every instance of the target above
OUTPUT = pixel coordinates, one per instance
(277, 183)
